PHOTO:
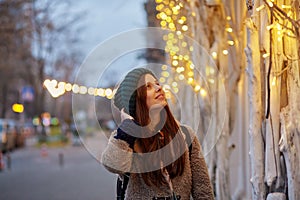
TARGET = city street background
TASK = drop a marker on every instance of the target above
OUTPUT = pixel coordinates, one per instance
(37, 173)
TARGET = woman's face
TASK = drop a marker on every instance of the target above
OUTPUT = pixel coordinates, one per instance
(155, 94)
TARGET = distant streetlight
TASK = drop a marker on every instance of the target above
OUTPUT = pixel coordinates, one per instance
(18, 108)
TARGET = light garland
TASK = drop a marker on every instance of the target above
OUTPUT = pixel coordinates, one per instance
(57, 89)
(171, 15)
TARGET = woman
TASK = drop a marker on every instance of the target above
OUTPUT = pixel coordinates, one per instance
(150, 146)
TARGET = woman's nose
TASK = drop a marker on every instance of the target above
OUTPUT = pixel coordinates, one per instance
(157, 88)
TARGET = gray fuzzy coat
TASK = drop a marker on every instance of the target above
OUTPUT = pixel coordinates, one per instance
(118, 158)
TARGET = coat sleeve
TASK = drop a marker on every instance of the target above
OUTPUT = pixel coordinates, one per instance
(117, 156)
(201, 185)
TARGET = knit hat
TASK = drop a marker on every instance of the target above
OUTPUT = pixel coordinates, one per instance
(126, 92)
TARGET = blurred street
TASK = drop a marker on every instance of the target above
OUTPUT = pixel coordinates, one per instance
(68, 172)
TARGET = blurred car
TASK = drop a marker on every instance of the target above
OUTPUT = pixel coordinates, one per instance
(9, 130)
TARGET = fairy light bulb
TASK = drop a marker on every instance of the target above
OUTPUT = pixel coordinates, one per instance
(230, 42)
(214, 55)
(225, 52)
(260, 8)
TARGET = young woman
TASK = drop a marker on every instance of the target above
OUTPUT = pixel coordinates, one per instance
(151, 147)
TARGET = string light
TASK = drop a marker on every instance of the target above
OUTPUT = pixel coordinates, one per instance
(229, 30)
(68, 87)
(197, 88)
(260, 8)
(82, 90)
(203, 92)
(225, 52)
(57, 89)
(230, 42)
(75, 88)
(266, 55)
(270, 4)
(269, 27)
(214, 55)
(274, 81)
(286, 6)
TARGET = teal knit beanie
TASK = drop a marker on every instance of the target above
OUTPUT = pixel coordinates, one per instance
(126, 92)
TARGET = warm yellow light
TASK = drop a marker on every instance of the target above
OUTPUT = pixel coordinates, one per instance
(18, 108)
(162, 79)
(176, 90)
(229, 30)
(265, 55)
(47, 81)
(260, 8)
(181, 77)
(274, 81)
(171, 25)
(185, 28)
(279, 39)
(175, 63)
(190, 73)
(169, 43)
(82, 90)
(230, 42)
(214, 55)
(211, 70)
(170, 36)
(166, 87)
(174, 84)
(180, 21)
(159, 7)
(270, 26)
(203, 92)
(68, 87)
(192, 66)
(212, 81)
(197, 88)
(168, 95)
(91, 91)
(270, 4)
(164, 67)
(172, 53)
(286, 6)
(175, 11)
(225, 52)
(163, 16)
(163, 23)
(190, 80)
(191, 48)
(184, 44)
(228, 18)
(165, 74)
(101, 92)
(75, 88)
(169, 19)
(108, 92)
(178, 33)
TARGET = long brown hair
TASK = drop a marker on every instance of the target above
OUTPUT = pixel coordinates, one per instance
(153, 143)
